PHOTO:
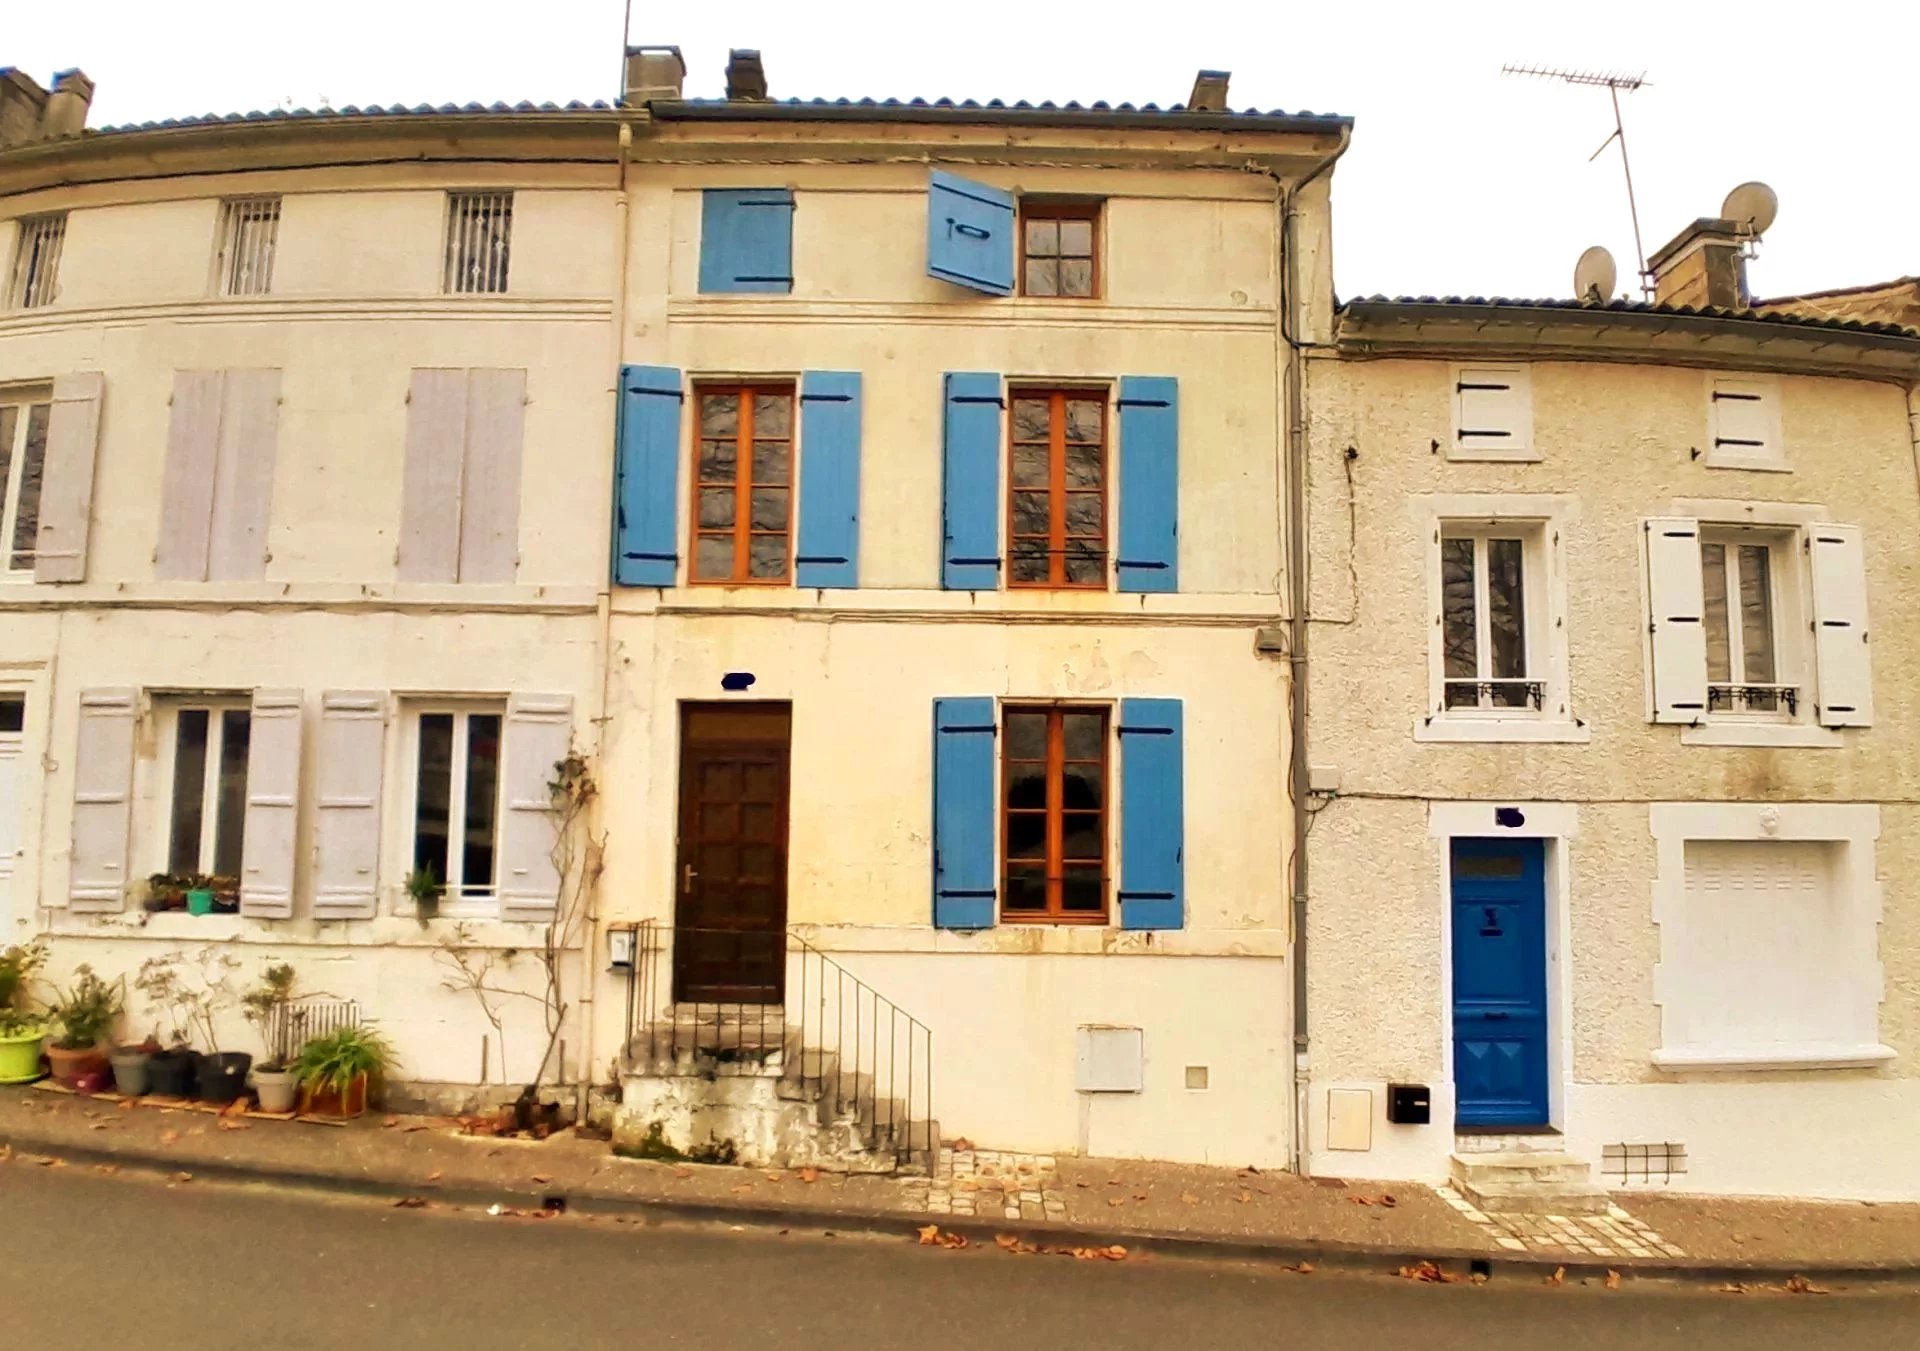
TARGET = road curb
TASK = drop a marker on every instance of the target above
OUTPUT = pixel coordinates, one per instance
(1458, 1263)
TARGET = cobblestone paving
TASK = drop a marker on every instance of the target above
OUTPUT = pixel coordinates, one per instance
(990, 1184)
(1614, 1234)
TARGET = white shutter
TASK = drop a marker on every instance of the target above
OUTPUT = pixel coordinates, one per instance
(539, 732)
(273, 805)
(1744, 419)
(346, 825)
(66, 494)
(186, 484)
(242, 491)
(1676, 609)
(1492, 408)
(1843, 665)
(102, 795)
(430, 498)
(490, 477)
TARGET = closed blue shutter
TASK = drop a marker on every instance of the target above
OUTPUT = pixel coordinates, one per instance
(829, 547)
(1149, 483)
(1153, 820)
(970, 234)
(970, 505)
(746, 240)
(965, 868)
(647, 477)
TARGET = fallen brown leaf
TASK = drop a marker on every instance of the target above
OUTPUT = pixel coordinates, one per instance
(1559, 1277)
(126, 1104)
(929, 1235)
(1613, 1279)
(954, 1241)
(1116, 1200)
(391, 1121)
(1139, 1196)
(1800, 1285)
(228, 1124)
(963, 1143)
(809, 1174)
(1389, 1202)
(1429, 1273)
(1244, 1197)
(774, 1176)
(434, 1176)
(1189, 1199)
(1116, 1253)
(1304, 1268)
(743, 1188)
(108, 1168)
(47, 1161)
(183, 1177)
(169, 1137)
(410, 1203)
(99, 1125)
(1361, 1200)
(539, 1177)
(1733, 1288)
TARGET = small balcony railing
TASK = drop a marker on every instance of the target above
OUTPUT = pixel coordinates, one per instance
(1496, 694)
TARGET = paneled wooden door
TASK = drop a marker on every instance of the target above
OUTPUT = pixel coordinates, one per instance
(730, 916)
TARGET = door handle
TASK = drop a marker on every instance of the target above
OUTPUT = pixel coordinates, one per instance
(687, 874)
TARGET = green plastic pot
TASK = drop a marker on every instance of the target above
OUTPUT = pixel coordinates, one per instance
(199, 902)
(20, 1056)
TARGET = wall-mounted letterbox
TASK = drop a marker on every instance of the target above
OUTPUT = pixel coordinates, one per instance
(1409, 1104)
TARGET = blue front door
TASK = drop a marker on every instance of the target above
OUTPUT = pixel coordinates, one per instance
(1499, 982)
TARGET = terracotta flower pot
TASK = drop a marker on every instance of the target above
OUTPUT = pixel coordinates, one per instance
(326, 1102)
(70, 1067)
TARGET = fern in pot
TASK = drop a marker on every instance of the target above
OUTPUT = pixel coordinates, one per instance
(269, 1007)
(335, 1070)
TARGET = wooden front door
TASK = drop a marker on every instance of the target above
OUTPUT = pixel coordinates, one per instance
(730, 919)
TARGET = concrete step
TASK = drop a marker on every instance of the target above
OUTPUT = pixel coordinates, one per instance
(1529, 1182)
(1508, 1142)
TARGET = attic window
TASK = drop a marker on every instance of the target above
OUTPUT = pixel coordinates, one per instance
(479, 233)
(36, 261)
(249, 228)
(1492, 413)
(1743, 424)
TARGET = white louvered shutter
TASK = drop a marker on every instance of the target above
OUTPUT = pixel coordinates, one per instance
(346, 826)
(490, 475)
(1843, 663)
(1493, 408)
(430, 499)
(102, 798)
(186, 483)
(1676, 608)
(66, 494)
(1745, 418)
(243, 476)
(539, 731)
(273, 805)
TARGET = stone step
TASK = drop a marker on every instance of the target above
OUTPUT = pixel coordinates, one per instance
(1529, 1182)
(1554, 1169)
(1508, 1142)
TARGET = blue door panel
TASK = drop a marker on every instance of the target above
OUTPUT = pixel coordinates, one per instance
(1499, 982)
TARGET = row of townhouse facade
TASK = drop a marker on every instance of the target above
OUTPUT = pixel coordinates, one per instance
(936, 525)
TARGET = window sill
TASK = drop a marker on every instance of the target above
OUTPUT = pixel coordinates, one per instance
(1764, 465)
(1760, 734)
(1502, 730)
(1812, 1056)
(1457, 456)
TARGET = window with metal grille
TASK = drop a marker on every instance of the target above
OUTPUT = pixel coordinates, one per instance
(36, 261)
(479, 231)
(23, 456)
(1057, 506)
(243, 260)
(1054, 832)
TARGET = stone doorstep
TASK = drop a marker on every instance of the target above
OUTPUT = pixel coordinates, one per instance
(1529, 1182)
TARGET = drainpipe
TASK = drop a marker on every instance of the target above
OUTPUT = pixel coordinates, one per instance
(1299, 779)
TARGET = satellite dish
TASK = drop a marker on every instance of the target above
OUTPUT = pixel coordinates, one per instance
(1594, 275)
(1752, 207)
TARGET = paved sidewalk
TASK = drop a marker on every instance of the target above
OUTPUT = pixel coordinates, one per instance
(980, 1194)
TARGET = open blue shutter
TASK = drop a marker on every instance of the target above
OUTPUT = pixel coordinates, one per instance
(1153, 814)
(970, 234)
(1149, 483)
(647, 477)
(970, 506)
(829, 547)
(746, 240)
(965, 869)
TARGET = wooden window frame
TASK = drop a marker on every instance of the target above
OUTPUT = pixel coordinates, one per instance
(17, 553)
(460, 897)
(1043, 209)
(1057, 396)
(743, 484)
(1788, 611)
(1053, 866)
(207, 850)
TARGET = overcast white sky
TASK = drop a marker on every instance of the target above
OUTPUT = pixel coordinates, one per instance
(1460, 180)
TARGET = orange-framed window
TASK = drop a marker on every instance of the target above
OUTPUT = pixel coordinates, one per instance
(1054, 820)
(743, 484)
(1059, 249)
(1057, 499)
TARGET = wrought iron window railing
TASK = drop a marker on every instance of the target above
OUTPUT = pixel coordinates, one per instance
(1495, 694)
(1753, 699)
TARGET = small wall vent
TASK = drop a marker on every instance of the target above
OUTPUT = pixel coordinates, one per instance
(1643, 1164)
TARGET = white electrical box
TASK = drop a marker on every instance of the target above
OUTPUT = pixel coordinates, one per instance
(1109, 1060)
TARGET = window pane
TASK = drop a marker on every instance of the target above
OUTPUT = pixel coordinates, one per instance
(1043, 237)
(1084, 514)
(1026, 786)
(1032, 419)
(1029, 563)
(1080, 836)
(1027, 835)
(1756, 615)
(9, 428)
(1460, 647)
(1083, 891)
(1506, 609)
(433, 794)
(767, 557)
(1026, 890)
(719, 415)
(1083, 466)
(1029, 466)
(1043, 277)
(1026, 736)
(1030, 514)
(1713, 579)
(1080, 789)
(1076, 238)
(717, 462)
(1085, 735)
(1076, 277)
(26, 516)
(189, 790)
(716, 508)
(483, 788)
(769, 508)
(713, 559)
(1083, 421)
(773, 415)
(770, 461)
(13, 714)
(1086, 563)
(236, 726)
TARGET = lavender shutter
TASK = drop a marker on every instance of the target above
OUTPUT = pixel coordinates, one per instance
(490, 477)
(430, 500)
(66, 491)
(539, 732)
(346, 825)
(102, 798)
(273, 805)
(243, 476)
(186, 485)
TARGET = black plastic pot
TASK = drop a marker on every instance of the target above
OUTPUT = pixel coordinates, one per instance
(223, 1076)
(170, 1074)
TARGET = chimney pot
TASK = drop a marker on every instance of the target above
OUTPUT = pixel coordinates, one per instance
(746, 78)
(1209, 92)
(654, 75)
(1703, 266)
(67, 105)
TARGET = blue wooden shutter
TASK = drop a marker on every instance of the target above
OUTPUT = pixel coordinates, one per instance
(970, 234)
(746, 240)
(965, 866)
(1149, 483)
(647, 477)
(829, 546)
(970, 507)
(1152, 814)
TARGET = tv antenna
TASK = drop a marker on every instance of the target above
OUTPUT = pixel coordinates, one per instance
(1613, 83)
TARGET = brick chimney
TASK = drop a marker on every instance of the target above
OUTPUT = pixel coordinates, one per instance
(746, 77)
(67, 105)
(654, 75)
(1209, 92)
(1702, 266)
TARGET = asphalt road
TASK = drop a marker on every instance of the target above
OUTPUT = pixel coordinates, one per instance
(88, 1261)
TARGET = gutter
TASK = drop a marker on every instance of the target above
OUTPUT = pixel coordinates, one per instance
(722, 110)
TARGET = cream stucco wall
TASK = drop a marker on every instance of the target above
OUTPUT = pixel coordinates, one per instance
(1616, 441)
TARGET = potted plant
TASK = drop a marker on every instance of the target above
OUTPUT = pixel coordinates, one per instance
(133, 1067)
(85, 1013)
(20, 1032)
(425, 890)
(165, 891)
(195, 989)
(269, 1007)
(334, 1071)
